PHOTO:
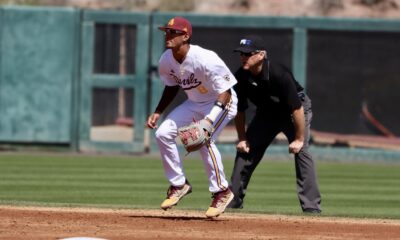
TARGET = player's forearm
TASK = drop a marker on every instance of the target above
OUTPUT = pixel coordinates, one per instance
(224, 97)
(168, 95)
(219, 106)
(299, 123)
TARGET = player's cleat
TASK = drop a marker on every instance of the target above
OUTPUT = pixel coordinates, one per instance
(219, 203)
(174, 194)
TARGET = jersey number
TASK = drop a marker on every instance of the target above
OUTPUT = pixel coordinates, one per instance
(202, 89)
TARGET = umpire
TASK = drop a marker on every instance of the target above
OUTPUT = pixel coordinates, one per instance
(281, 106)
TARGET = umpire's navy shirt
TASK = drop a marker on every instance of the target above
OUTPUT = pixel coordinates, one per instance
(274, 91)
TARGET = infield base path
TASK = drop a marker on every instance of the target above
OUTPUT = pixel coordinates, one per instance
(58, 223)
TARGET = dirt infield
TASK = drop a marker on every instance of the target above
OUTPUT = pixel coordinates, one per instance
(58, 223)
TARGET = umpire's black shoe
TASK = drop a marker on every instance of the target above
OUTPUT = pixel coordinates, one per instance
(236, 203)
(312, 211)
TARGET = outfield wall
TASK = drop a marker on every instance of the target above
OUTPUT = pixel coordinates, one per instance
(39, 51)
(86, 80)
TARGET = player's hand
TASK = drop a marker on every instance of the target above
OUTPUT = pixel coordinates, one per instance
(295, 146)
(243, 146)
(152, 120)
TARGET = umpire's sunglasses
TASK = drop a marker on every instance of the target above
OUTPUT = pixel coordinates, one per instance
(249, 54)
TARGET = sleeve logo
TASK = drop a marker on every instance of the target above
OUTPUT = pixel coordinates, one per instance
(226, 77)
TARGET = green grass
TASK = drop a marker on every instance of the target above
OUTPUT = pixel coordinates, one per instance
(368, 190)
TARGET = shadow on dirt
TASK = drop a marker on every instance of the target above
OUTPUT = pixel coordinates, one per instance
(179, 218)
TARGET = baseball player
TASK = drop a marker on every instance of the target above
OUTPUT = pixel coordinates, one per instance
(208, 83)
(281, 106)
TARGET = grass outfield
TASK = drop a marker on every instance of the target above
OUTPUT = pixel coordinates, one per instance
(348, 189)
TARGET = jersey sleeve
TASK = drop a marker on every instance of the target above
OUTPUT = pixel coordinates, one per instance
(241, 92)
(218, 73)
(290, 91)
(163, 71)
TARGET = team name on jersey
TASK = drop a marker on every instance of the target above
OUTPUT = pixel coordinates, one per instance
(186, 83)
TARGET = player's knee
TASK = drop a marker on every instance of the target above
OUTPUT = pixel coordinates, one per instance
(163, 134)
(160, 134)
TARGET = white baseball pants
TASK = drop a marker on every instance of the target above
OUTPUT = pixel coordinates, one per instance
(168, 131)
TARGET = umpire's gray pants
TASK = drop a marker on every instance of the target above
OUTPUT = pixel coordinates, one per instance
(260, 133)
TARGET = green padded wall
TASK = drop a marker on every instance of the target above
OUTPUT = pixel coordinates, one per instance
(37, 74)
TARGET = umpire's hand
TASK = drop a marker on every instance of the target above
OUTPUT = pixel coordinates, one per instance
(295, 146)
(243, 146)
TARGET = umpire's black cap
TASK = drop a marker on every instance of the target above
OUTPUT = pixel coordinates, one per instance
(250, 44)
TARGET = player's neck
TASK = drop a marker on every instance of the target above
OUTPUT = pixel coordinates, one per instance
(180, 53)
